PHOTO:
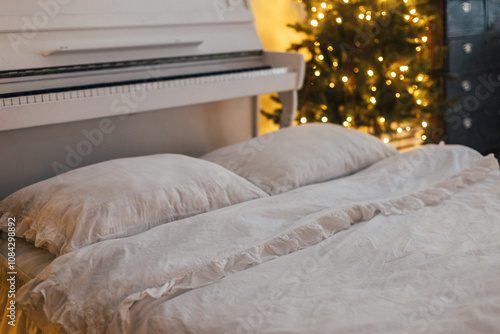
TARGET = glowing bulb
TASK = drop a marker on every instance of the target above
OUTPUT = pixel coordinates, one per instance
(339, 20)
(420, 78)
(386, 140)
(324, 119)
(370, 72)
(403, 68)
(344, 79)
(314, 23)
(419, 102)
(413, 11)
(346, 1)
(335, 64)
(408, 128)
(317, 73)
(407, 17)
(321, 57)
(332, 85)
(346, 123)
(323, 5)
(424, 137)
(382, 119)
(398, 95)
(368, 17)
(393, 74)
(373, 100)
(361, 16)
(356, 70)
(400, 130)
(405, 1)
(321, 15)
(424, 124)
(424, 39)
(388, 82)
(317, 43)
(303, 120)
(330, 48)
(374, 89)
(380, 58)
(401, 77)
(349, 119)
(313, 9)
(384, 13)
(415, 19)
(418, 48)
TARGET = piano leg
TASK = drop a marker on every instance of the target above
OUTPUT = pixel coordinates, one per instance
(289, 102)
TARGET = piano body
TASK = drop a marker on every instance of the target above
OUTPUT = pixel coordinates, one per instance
(67, 61)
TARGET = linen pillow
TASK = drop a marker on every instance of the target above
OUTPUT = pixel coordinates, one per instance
(120, 198)
(293, 157)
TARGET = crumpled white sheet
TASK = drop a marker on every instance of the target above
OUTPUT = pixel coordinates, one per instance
(93, 290)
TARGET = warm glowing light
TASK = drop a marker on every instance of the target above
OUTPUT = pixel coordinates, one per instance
(370, 72)
(373, 100)
(349, 119)
(401, 77)
(386, 140)
(408, 128)
(384, 13)
(316, 43)
(398, 95)
(344, 79)
(346, 123)
(335, 64)
(314, 23)
(419, 102)
(407, 17)
(380, 58)
(346, 1)
(303, 120)
(418, 48)
(415, 19)
(388, 82)
(361, 16)
(413, 11)
(368, 17)
(382, 119)
(321, 57)
(393, 74)
(324, 119)
(339, 20)
(404, 68)
(330, 48)
(420, 78)
(317, 73)
(405, 1)
(374, 89)
(356, 70)
(424, 137)
(332, 85)
(400, 130)
(424, 124)
(313, 9)
(424, 39)
(323, 5)
(321, 15)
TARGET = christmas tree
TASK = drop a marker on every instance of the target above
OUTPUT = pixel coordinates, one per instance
(372, 63)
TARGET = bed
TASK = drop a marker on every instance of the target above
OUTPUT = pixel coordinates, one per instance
(314, 228)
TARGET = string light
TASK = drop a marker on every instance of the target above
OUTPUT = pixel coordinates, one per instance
(424, 124)
(332, 85)
(324, 119)
(418, 48)
(424, 39)
(407, 17)
(374, 89)
(321, 15)
(415, 19)
(370, 73)
(314, 23)
(339, 20)
(388, 82)
(420, 78)
(413, 11)
(393, 74)
(317, 73)
(346, 1)
(373, 100)
(349, 119)
(382, 119)
(398, 95)
(303, 120)
(330, 48)
(408, 128)
(404, 68)
(401, 77)
(400, 130)
(361, 16)
(424, 137)
(346, 123)
(386, 140)
(335, 64)
(419, 102)
(323, 5)
(344, 79)
(381, 59)
(314, 9)
(321, 57)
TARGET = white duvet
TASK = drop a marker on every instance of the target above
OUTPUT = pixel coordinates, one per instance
(423, 256)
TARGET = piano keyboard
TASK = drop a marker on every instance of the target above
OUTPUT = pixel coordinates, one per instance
(66, 94)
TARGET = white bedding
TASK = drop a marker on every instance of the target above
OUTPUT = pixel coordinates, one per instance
(426, 257)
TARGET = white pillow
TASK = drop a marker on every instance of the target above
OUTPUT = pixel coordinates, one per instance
(119, 198)
(293, 157)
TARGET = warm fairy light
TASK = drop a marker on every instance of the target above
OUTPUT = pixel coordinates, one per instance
(424, 137)
(419, 102)
(370, 72)
(346, 1)
(321, 15)
(321, 57)
(408, 128)
(323, 5)
(361, 16)
(356, 70)
(339, 20)
(401, 77)
(303, 120)
(346, 123)
(317, 43)
(330, 48)
(400, 130)
(344, 79)
(380, 58)
(382, 119)
(384, 13)
(424, 124)
(313, 9)
(413, 11)
(314, 23)
(424, 39)
(324, 119)
(332, 85)
(317, 73)
(373, 100)
(349, 119)
(335, 64)
(393, 74)
(404, 68)
(398, 95)
(418, 48)
(415, 19)
(386, 140)
(374, 89)
(388, 82)
(405, 1)
(407, 17)
(368, 17)
(420, 78)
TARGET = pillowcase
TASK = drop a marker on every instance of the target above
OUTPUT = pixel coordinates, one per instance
(293, 157)
(120, 198)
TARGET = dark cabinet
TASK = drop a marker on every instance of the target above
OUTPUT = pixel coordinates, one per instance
(472, 30)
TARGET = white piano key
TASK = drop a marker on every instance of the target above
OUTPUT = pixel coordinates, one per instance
(31, 99)
(7, 102)
(60, 96)
(74, 94)
(38, 98)
(15, 101)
